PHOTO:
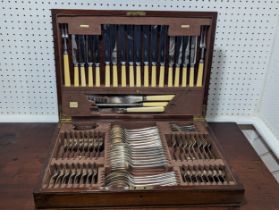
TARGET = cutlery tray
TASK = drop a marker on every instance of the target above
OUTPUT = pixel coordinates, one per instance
(132, 93)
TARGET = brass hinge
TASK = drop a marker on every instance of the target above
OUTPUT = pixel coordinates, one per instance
(65, 119)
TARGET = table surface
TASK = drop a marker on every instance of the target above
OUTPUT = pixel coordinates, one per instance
(24, 149)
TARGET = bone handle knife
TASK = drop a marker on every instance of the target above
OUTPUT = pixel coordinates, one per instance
(200, 75)
(123, 75)
(153, 76)
(82, 76)
(76, 76)
(67, 78)
(131, 75)
(149, 104)
(159, 98)
(138, 76)
(107, 74)
(146, 75)
(170, 77)
(115, 76)
(90, 76)
(184, 77)
(177, 77)
(191, 81)
(157, 109)
(97, 76)
(162, 76)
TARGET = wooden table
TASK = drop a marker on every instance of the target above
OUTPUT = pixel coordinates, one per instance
(24, 148)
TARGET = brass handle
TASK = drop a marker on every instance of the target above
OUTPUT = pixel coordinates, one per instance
(115, 76)
(67, 78)
(191, 81)
(162, 76)
(146, 76)
(97, 76)
(107, 75)
(138, 77)
(123, 75)
(184, 77)
(177, 77)
(82, 77)
(90, 76)
(131, 76)
(200, 75)
(76, 76)
(170, 77)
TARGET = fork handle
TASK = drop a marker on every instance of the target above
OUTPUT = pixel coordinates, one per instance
(131, 75)
(123, 75)
(97, 76)
(153, 76)
(138, 77)
(76, 76)
(162, 76)
(177, 77)
(107, 75)
(170, 77)
(191, 81)
(184, 77)
(115, 75)
(90, 76)
(82, 76)
(200, 74)
(67, 78)
(146, 76)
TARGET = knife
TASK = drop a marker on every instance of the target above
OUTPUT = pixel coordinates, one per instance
(137, 53)
(163, 39)
(81, 56)
(106, 30)
(142, 104)
(74, 57)
(67, 78)
(130, 43)
(96, 41)
(158, 109)
(121, 50)
(185, 58)
(154, 53)
(89, 59)
(193, 55)
(171, 61)
(146, 47)
(178, 59)
(113, 50)
(201, 62)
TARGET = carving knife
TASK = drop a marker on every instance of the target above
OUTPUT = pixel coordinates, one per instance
(163, 39)
(130, 49)
(121, 49)
(96, 41)
(186, 59)
(106, 30)
(201, 62)
(154, 53)
(67, 78)
(171, 61)
(113, 50)
(178, 59)
(137, 53)
(146, 47)
(81, 56)
(74, 57)
(193, 55)
(89, 59)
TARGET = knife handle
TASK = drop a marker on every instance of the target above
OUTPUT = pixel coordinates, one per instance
(177, 77)
(76, 76)
(107, 75)
(90, 76)
(184, 76)
(67, 78)
(131, 76)
(191, 81)
(162, 76)
(114, 75)
(82, 76)
(146, 76)
(159, 98)
(153, 76)
(146, 109)
(123, 75)
(97, 76)
(138, 77)
(170, 77)
(149, 104)
(200, 74)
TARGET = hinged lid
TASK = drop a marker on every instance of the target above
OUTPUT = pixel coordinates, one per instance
(127, 64)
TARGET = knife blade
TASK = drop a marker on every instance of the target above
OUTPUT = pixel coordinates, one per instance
(122, 54)
(201, 62)
(130, 43)
(137, 53)
(96, 59)
(185, 58)
(74, 58)
(113, 50)
(154, 53)
(193, 54)
(146, 47)
(178, 59)
(171, 60)
(163, 44)
(106, 31)
(82, 57)
(89, 59)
